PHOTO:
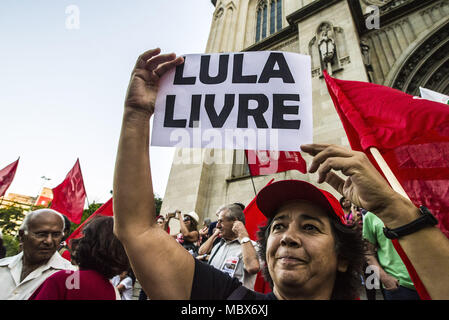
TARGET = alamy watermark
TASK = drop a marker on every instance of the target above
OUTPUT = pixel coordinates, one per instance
(209, 146)
(372, 277)
(72, 21)
(373, 19)
(72, 282)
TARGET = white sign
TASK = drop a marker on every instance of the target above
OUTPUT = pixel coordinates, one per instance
(434, 96)
(246, 100)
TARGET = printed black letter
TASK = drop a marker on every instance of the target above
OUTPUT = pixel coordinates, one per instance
(179, 78)
(195, 110)
(237, 76)
(169, 122)
(279, 109)
(283, 72)
(222, 70)
(218, 120)
(257, 114)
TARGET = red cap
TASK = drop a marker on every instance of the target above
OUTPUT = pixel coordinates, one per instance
(273, 196)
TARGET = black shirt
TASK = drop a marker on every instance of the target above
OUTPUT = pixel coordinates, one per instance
(212, 284)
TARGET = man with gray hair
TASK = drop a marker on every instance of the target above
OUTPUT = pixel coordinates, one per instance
(235, 254)
(40, 235)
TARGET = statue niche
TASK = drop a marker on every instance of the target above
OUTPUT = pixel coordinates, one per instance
(325, 49)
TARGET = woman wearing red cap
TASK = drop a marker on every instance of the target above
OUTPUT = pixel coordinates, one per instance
(303, 240)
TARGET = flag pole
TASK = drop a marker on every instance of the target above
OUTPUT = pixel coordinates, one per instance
(391, 178)
(251, 176)
(88, 205)
(84, 186)
(254, 187)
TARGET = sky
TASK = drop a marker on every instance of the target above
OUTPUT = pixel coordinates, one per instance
(63, 83)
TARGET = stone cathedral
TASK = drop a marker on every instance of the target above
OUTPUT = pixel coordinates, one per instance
(402, 44)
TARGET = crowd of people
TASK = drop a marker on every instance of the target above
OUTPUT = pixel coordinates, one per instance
(96, 266)
(312, 246)
(304, 248)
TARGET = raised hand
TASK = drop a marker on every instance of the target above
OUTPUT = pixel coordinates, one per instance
(364, 187)
(239, 229)
(144, 83)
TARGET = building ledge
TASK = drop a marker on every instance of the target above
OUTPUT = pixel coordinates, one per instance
(272, 39)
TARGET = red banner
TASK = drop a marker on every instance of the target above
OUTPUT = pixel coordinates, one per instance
(263, 162)
(6, 176)
(69, 197)
(105, 210)
(253, 220)
(411, 134)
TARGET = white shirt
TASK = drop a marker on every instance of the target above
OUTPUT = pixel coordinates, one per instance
(126, 294)
(227, 257)
(11, 288)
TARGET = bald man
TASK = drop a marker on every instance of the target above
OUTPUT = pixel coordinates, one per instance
(40, 235)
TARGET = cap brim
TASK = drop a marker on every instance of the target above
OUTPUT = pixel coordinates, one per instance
(277, 194)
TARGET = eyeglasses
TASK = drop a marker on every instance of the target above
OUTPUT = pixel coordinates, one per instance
(44, 235)
(187, 219)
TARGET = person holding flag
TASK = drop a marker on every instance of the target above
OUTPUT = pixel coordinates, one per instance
(306, 234)
(406, 138)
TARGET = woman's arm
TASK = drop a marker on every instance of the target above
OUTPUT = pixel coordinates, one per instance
(191, 236)
(207, 246)
(389, 282)
(164, 268)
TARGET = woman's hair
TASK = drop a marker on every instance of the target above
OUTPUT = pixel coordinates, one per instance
(100, 250)
(349, 247)
(67, 227)
(193, 226)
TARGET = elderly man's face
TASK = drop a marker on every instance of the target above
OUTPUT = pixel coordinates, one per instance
(225, 224)
(45, 232)
(301, 255)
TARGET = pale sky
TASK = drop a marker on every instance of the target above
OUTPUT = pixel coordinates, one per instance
(62, 90)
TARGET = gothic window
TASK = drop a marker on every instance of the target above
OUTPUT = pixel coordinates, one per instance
(264, 22)
(269, 18)
(240, 165)
(279, 15)
(259, 17)
(219, 14)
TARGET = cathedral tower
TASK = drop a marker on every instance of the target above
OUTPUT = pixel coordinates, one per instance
(408, 48)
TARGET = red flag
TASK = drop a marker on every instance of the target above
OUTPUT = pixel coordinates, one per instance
(70, 195)
(6, 176)
(411, 134)
(105, 210)
(268, 162)
(253, 219)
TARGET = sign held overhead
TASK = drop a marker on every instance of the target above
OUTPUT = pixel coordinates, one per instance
(251, 100)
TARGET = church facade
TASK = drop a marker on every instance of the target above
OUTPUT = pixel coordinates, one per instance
(402, 44)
